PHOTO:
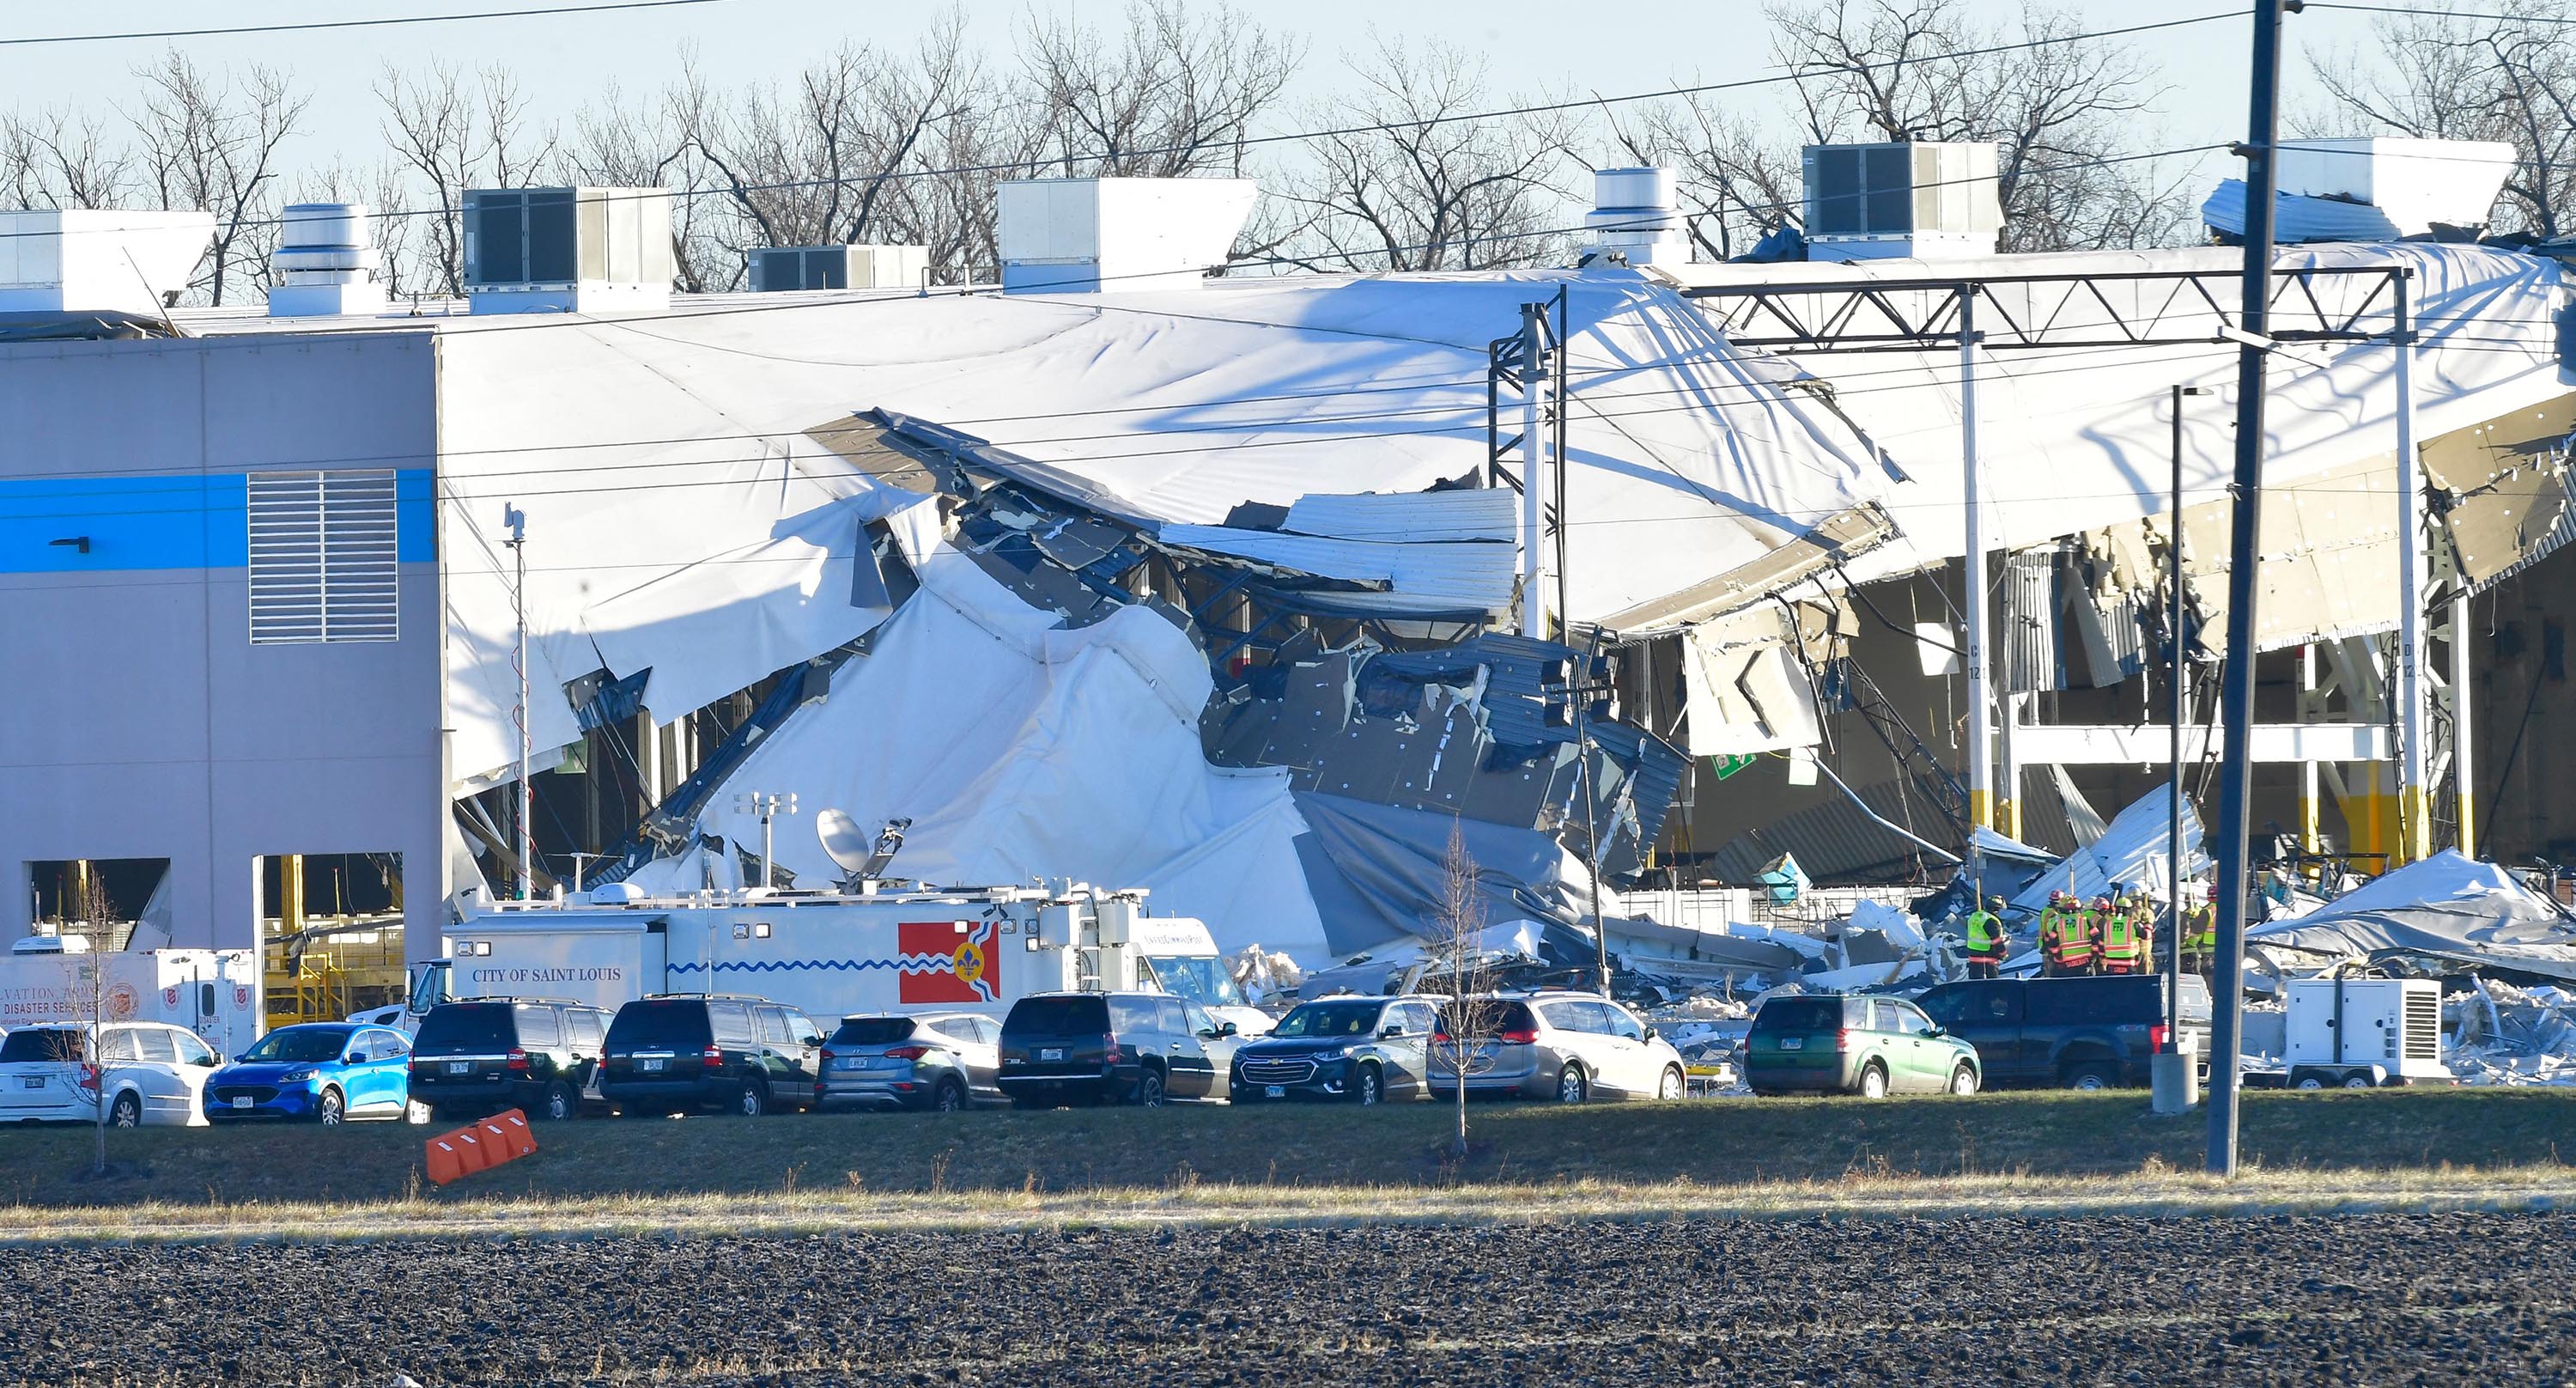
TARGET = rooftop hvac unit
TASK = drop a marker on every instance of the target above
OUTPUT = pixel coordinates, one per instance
(98, 260)
(580, 250)
(1083, 235)
(1923, 200)
(2418, 183)
(775, 268)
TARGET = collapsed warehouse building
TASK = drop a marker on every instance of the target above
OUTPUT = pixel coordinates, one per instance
(1637, 574)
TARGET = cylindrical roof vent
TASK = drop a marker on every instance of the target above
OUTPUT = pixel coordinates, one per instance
(1636, 214)
(326, 261)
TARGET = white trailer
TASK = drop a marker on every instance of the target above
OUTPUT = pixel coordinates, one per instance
(214, 993)
(831, 954)
(2362, 1033)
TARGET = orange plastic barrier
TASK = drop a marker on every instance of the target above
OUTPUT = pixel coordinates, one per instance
(503, 1137)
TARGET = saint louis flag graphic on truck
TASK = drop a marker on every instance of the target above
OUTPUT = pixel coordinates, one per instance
(948, 961)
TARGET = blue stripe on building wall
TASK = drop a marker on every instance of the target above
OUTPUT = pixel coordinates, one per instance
(187, 521)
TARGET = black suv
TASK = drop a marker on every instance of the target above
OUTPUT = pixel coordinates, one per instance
(2081, 1033)
(482, 1055)
(1140, 1048)
(681, 1052)
(1361, 1049)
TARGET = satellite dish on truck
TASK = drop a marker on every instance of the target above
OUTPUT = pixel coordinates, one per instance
(848, 845)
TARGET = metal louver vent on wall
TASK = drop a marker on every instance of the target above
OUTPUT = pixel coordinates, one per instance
(323, 557)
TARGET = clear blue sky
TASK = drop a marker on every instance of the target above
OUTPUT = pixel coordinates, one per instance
(564, 60)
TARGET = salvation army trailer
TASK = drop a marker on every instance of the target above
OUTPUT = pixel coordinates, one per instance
(831, 954)
(46, 980)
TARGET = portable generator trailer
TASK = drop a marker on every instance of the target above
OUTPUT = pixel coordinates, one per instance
(2359, 1033)
(832, 954)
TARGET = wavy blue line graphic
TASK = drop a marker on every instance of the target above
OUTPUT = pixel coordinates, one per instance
(759, 966)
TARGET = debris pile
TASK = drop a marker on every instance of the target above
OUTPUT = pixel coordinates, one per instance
(2503, 1035)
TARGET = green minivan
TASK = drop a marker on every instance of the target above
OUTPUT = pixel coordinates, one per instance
(1854, 1045)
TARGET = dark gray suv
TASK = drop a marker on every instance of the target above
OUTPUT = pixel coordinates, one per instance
(1119, 1048)
(1360, 1049)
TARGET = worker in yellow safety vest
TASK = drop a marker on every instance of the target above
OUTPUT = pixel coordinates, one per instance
(1986, 943)
(2083, 930)
(2052, 935)
(2117, 948)
(2200, 939)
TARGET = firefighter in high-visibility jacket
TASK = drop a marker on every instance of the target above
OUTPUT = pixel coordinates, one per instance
(2053, 921)
(1986, 944)
(2082, 929)
(2200, 938)
(2117, 948)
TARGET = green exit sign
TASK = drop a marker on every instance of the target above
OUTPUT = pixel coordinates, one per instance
(1728, 766)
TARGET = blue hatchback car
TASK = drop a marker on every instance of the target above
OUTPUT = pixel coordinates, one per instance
(324, 1072)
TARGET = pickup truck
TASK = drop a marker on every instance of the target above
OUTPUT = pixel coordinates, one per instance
(2075, 1033)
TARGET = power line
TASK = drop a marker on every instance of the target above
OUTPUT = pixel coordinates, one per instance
(349, 23)
(1332, 132)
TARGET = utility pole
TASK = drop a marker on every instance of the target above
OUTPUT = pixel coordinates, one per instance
(1981, 724)
(2414, 795)
(2460, 714)
(2171, 1070)
(2236, 693)
(768, 807)
(517, 520)
(1580, 685)
(1533, 351)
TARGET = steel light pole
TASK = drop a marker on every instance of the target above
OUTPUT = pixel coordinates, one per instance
(2174, 1091)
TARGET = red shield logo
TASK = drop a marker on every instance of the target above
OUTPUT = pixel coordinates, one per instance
(948, 962)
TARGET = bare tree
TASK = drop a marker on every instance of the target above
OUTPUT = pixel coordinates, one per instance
(1408, 185)
(211, 145)
(2509, 77)
(1178, 97)
(91, 995)
(451, 133)
(2056, 112)
(61, 159)
(821, 163)
(1461, 967)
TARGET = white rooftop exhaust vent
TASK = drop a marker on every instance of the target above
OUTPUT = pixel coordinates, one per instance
(99, 260)
(1636, 216)
(326, 262)
(1081, 235)
(1920, 199)
(575, 250)
(775, 268)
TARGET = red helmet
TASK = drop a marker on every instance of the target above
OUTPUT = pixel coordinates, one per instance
(2101, 903)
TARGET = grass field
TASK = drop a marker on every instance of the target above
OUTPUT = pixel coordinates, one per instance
(1312, 1161)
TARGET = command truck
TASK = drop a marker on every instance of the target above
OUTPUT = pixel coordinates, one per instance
(832, 954)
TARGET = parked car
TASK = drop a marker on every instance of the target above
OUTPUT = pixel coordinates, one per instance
(325, 1072)
(1361, 1049)
(1569, 1047)
(145, 1072)
(1140, 1048)
(1869, 1046)
(537, 1055)
(683, 1052)
(930, 1060)
(2079, 1033)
